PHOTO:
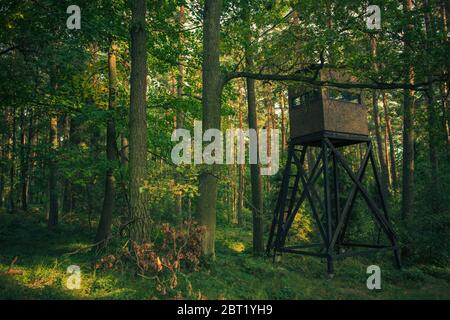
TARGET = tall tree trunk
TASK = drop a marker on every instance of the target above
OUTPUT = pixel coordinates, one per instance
(75, 130)
(124, 150)
(386, 154)
(12, 162)
(180, 116)
(445, 114)
(429, 102)
(408, 126)
(235, 180)
(178, 200)
(255, 172)
(2, 178)
(180, 77)
(445, 86)
(140, 226)
(408, 155)
(104, 226)
(377, 122)
(387, 120)
(211, 93)
(232, 176)
(24, 156)
(269, 134)
(52, 179)
(241, 191)
(283, 123)
(95, 148)
(90, 202)
(67, 188)
(33, 138)
(3, 156)
(231, 190)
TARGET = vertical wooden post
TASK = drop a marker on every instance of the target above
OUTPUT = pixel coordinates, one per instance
(327, 200)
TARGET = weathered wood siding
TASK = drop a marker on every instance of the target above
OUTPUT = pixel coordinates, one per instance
(326, 114)
(345, 117)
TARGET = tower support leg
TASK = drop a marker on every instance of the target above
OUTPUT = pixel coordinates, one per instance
(328, 213)
(331, 219)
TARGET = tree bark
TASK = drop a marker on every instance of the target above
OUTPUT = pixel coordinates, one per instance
(241, 191)
(387, 120)
(104, 226)
(445, 86)
(432, 121)
(179, 116)
(24, 156)
(140, 226)
(2, 181)
(33, 142)
(255, 172)
(180, 77)
(124, 151)
(269, 133)
(408, 126)
(67, 189)
(52, 179)
(212, 89)
(377, 122)
(235, 181)
(283, 123)
(3, 155)
(12, 161)
(386, 154)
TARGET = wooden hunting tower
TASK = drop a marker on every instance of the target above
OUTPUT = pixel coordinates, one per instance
(315, 111)
(327, 119)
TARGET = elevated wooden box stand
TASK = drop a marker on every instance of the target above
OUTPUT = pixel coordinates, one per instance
(328, 119)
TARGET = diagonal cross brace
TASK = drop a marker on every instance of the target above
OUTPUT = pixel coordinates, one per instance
(280, 201)
(377, 214)
(279, 207)
(352, 196)
(305, 193)
(299, 164)
(307, 185)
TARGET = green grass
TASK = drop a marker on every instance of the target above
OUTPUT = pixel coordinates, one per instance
(235, 274)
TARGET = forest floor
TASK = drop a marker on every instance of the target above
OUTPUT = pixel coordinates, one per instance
(40, 270)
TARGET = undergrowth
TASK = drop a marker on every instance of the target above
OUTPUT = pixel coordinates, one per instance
(34, 261)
